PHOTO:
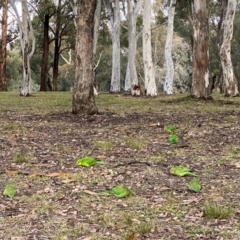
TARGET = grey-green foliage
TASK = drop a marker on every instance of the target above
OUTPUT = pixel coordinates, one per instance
(14, 69)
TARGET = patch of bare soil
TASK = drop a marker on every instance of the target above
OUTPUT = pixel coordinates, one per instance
(56, 199)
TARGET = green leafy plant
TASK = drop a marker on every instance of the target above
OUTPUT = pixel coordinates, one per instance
(9, 190)
(119, 191)
(194, 185)
(170, 129)
(89, 161)
(217, 211)
(173, 139)
(181, 171)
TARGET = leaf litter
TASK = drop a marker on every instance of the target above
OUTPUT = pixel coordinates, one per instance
(59, 200)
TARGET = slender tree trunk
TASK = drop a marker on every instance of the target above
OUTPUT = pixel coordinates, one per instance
(3, 81)
(149, 70)
(132, 45)
(229, 79)
(168, 83)
(26, 87)
(200, 82)
(97, 16)
(57, 46)
(113, 10)
(44, 69)
(115, 79)
(220, 39)
(83, 96)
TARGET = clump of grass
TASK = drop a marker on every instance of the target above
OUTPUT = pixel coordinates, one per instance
(214, 210)
(144, 228)
(19, 157)
(135, 143)
(105, 146)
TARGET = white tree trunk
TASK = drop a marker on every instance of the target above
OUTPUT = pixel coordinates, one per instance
(127, 82)
(168, 83)
(229, 79)
(96, 25)
(113, 10)
(149, 70)
(26, 33)
(115, 79)
(133, 10)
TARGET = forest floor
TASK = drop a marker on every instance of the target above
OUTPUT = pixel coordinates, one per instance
(40, 142)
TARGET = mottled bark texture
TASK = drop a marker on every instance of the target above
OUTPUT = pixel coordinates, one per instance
(229, 79)
(200, 82)
(83, 96)
(113, 9)
(168, 83)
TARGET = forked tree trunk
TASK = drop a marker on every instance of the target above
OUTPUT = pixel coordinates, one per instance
(3, 81)
(26, 31)
(200, 82)
(149, 70)
(168, 83)
(83, 97)
(229, 79)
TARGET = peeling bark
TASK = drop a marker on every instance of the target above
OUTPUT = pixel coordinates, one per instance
(133, 10)
(149, 69)
(114, 13)
(83, 95)
(26, 33)
(168, 83)
(200, 82)
(229, 79)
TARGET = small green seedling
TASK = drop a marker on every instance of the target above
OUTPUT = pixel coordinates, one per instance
(89, 161)
(170, 129)
(194, 185)
(119, 191)
(173, 139)
(9, 190)
(181, 171)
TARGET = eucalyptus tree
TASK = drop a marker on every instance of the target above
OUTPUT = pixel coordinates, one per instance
(3, 50)
(200, 79)
(63, 26)
(45, 11)
(229, 79)
(168, 83)
(27, 41)
(83, 95)
(133, 9)
(113, 10)
(149, 69)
